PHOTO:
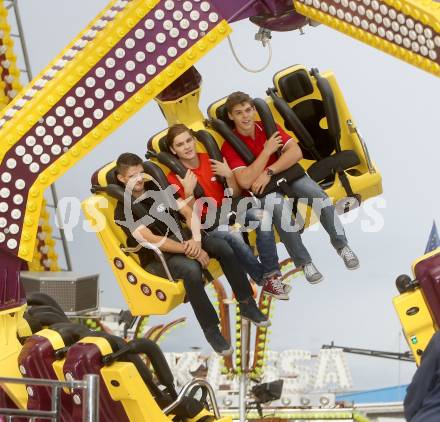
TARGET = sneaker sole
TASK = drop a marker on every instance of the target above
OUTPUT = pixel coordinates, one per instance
(258, 324)
(279, 297)
(227, 352)
(353, 268)
(316, 281)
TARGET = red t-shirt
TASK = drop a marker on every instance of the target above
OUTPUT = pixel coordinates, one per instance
(255, 145)
(207, 180)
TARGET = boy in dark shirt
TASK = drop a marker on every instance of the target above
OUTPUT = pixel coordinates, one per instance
(422, 401)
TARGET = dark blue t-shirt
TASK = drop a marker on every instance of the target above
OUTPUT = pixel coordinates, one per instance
(422, 401)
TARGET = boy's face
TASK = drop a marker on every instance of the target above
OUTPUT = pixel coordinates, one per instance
(243, 116)
(184, 146)
(134, 178)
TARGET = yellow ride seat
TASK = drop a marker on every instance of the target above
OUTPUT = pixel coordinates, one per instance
(360, 179)
(42, 357)
(129, 391)
(145, 293)
(159, 153)
(335, 154)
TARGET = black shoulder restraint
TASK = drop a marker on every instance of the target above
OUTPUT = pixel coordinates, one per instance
(279, 182)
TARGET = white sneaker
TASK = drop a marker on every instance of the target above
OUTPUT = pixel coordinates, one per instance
(313, 276)
(350, 259)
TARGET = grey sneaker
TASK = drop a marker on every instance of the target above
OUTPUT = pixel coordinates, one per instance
(350, 259)
(217, 341)
(313, 276)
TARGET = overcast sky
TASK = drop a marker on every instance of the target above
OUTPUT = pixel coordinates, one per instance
(394, 105)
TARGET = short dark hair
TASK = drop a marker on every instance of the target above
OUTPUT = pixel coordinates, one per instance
(237, 97)
(126, 160)
(176, 130)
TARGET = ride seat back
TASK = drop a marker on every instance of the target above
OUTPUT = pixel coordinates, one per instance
(37, 359)
(427, 272)
(206, 143)
(296, 86)
(85, 357)
(327, 134)
(129, 380)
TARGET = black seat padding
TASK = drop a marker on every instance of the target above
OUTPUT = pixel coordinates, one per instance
(222, 114)
(70, 332)
(37, 298)
(330, 109)
(163, 144)
(328, 166)
(117, 344)
(294, 124)
(322, 145)
(189, 407)
(295, 85)
(45, 315)
(310, 113)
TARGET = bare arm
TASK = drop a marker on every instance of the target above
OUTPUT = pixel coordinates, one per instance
(232, 183)
(247, 176)
(188, 183)
(290, 155)
(221, 168)
(192, 220)
(193, 247)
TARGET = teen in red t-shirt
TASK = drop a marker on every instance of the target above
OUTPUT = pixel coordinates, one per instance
(202, 169)
(206, 179)
(267, 164)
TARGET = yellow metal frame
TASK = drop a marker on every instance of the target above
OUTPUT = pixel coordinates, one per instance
(12, 70)
(426, 12)
(71, 75)
(423, 258)
(11, 347)
(418, 328)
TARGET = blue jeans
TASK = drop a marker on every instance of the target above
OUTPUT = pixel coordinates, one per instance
(190, 271)
(266, 246)
(283, 220)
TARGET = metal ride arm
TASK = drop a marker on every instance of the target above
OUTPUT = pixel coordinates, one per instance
(195, 382)
(99, 51)
(353, 128)
(90, 386)
(406, 356)
(158, 253)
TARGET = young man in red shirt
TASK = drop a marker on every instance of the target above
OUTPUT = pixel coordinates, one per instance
(203, 170)
(257, 175)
